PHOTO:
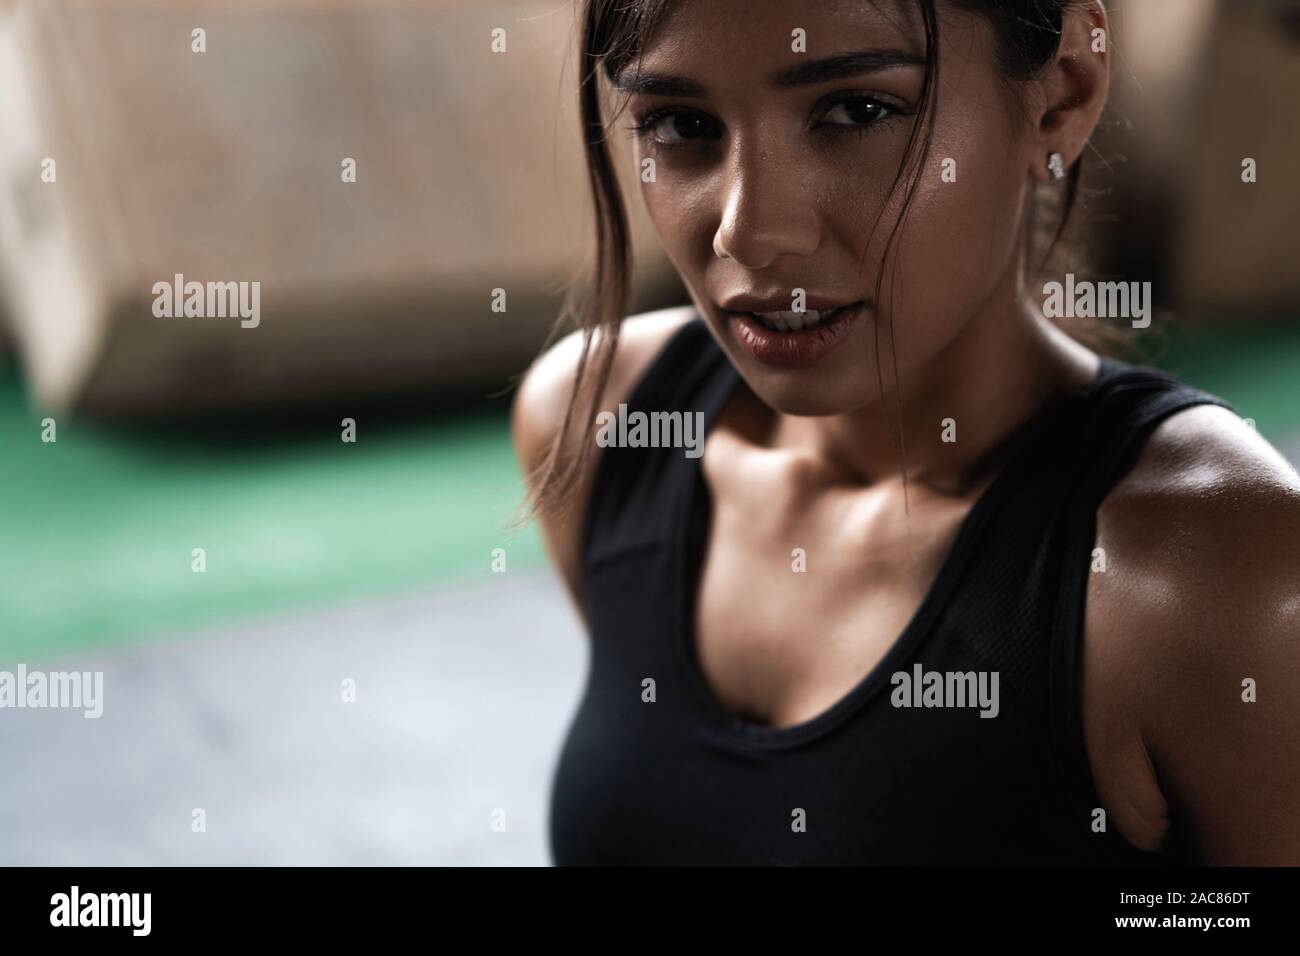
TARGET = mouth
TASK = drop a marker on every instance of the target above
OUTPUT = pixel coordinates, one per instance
(788, 338)
(788, 322)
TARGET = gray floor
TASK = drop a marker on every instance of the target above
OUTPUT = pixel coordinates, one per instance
(463, 698)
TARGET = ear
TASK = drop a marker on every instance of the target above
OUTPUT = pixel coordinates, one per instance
(1074, 86)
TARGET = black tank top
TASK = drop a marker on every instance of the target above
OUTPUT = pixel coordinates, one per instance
(662, 773)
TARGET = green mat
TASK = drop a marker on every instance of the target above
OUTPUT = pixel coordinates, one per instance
(97, 530)
(1255, 368)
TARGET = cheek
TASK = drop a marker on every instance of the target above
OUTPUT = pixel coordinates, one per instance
(960, 239)
(679, 208)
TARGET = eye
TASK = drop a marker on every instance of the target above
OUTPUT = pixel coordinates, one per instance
(675, 127)
(856, 112)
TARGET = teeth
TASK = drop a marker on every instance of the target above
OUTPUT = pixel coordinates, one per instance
(790, 316)
(784, 321)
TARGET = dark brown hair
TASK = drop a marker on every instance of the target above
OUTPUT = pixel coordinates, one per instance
(613, 33)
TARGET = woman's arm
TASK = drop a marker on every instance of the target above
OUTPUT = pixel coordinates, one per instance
(1203, 633)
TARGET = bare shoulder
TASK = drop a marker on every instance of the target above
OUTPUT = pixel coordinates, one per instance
(542, 399)
(1207, 502)
(1196, 627)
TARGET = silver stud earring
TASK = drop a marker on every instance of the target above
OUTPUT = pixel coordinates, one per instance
(1056, 165)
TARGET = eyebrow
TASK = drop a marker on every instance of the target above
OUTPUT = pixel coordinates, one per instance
(837, 67)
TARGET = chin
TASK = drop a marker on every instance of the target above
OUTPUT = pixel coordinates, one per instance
(810, 393)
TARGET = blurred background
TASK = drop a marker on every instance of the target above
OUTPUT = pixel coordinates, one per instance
(381, 169)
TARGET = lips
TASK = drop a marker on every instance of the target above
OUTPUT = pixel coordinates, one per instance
(820, 331)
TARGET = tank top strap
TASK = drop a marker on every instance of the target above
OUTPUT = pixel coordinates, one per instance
(635, 486)
(1130, 401)
(679, 377)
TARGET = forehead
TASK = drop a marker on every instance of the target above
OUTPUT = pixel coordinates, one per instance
(757, 36)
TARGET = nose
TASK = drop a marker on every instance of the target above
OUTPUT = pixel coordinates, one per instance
(766, 213)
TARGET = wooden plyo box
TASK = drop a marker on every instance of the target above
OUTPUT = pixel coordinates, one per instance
(131, 157)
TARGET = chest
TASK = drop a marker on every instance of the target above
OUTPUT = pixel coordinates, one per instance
(796, 604)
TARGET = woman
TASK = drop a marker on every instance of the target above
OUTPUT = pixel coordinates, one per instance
(946, 585)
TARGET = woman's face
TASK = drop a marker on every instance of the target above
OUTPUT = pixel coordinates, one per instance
(772, 173)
